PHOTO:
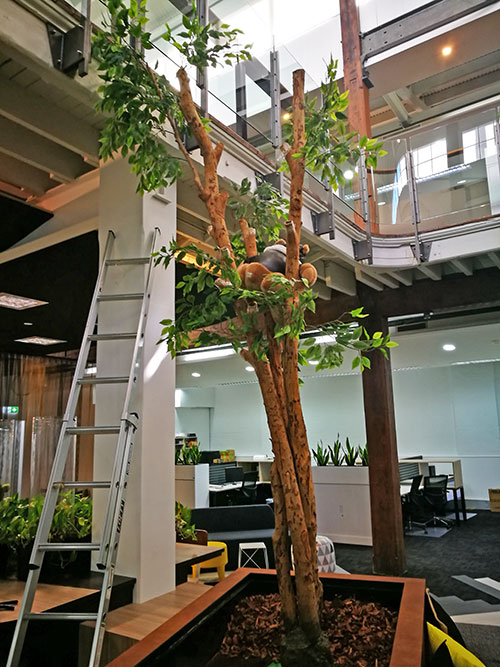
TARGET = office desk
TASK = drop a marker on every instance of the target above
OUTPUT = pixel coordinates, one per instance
(187, 555)
(454, 485)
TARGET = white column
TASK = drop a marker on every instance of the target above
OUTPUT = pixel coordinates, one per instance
(147, 543)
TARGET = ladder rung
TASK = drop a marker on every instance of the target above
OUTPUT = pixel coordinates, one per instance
(92, 430)
(61, 616)
(128, 260)
(113, 336)
(83, 485)
(103, 380)
(121, 297)
(69, 546)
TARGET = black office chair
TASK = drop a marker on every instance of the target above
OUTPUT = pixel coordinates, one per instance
(416, 512)
(435, 497)
(234, 474)
(247, 495)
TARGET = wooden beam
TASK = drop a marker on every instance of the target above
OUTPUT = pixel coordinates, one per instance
(383, 470)
(39, 115)
(21, 175)
(17, 142)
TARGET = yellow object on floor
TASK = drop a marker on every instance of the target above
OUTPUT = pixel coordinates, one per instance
(460, 656)
(218, 562)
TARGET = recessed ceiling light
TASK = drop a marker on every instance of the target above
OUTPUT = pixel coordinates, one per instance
(286, 116)
(40, 340)
(446, 50)
(449, 347)
(382, 203)
(19, 302)
(348, 174)
(28, 324)
(196, 375)
(250, 369)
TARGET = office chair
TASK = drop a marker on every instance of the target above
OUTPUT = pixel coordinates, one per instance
(415, 509)
(234, 474)
(434, 494)
(248, 492)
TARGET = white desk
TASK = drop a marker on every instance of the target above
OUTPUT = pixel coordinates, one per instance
(226, 486)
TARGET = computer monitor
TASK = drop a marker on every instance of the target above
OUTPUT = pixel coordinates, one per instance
(234, 474)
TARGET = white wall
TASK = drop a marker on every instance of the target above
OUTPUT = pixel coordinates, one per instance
(194, 420)
(451, 411)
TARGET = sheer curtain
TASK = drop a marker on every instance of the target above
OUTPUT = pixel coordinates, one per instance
(39, 386)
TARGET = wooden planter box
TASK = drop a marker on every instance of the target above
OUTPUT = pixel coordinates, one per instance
(193, 636)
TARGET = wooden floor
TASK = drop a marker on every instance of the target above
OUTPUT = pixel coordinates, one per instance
(47, 596)
(127, 625)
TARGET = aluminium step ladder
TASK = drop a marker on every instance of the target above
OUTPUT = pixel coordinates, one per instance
(117, 484)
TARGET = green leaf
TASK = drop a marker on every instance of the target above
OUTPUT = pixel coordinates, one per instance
(377, 335)
(391, 343)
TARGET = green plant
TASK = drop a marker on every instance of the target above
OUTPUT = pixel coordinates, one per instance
(350, 453)
(72, 518)
(184, 529)
(19, 520)
(3, 490)
(363, 455)
(188, 455)
(336, 455)
(321, 454)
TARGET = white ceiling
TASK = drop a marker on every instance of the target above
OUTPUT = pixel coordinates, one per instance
(416, 350)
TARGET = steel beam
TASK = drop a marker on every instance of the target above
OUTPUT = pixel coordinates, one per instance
(434, 272)
(464, 265)
(398, 108)
(340, 279)
(495, 258)
(417, 23)
(405, 278)
(368, 279)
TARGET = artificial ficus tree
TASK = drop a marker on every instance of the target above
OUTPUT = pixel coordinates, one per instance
(263, 325)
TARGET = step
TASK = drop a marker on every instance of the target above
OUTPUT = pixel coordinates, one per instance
(114, 336)
(61, 616)
(455, 606)
(83, 485)
(92, 430)
(478, 585)
(69, 546)
(133, 296)
(489, 582)
(93, 379)
(128, 260)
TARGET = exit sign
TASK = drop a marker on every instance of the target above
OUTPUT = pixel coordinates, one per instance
(10, 410)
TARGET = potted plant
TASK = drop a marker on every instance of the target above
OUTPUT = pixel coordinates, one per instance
(321, 455)
(18, 525)
(336, 454)
(350, 453)
(191, 477)
(260, 311)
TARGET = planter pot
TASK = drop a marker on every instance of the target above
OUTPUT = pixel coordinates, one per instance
(192, 637)
(343, 503)
(4, 560)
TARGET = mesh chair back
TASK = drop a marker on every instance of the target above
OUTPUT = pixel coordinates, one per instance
(436, 481)
(415, 483)
(435, 492)
(250, 479)
(234, 474)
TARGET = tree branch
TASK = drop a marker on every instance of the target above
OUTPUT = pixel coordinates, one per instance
(248, 237)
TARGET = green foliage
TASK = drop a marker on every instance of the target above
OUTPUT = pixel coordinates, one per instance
(184, 529)
(321, 454)
(350, 453)
(210, 45)
(336, 454)
(4, 488)
(72, 518)
(329, 143)
(363, 455)
(188, 455)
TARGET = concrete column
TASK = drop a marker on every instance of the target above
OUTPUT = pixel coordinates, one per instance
(147, 544)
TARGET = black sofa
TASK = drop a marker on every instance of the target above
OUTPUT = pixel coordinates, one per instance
(237, 523)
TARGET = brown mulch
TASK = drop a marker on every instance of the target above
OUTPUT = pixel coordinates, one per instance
(361, 634)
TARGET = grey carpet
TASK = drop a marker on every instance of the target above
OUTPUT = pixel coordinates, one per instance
(483, 641)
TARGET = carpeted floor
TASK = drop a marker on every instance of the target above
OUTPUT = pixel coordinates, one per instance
(483, 641)
(472, 549)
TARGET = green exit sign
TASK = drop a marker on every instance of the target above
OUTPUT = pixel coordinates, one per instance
(12, 409)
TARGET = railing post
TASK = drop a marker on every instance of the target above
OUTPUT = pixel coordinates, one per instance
(413, 197)
(365, 206)
(201, 74)
(275, 100)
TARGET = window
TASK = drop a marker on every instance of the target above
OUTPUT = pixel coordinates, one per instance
(479, 143)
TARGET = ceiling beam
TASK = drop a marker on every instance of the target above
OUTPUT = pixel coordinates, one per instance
(433, 272)
(386, 280)
(398, 108)
(495, 258)
(30, 179)
(404, 277)
(32, 149)
(464, 265)
(37, 114)
(453, 293)
(368, 280)
(339, 278)
(407, 94)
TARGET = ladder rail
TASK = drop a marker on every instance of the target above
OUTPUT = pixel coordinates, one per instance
(139, 340)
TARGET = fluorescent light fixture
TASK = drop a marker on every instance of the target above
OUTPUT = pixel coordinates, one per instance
(462, 181)
(178, 398)
(382, 203)
(449, 347)
(205, 354)
(28, 324)
(348, 174)
(19, 302)
(250, 369)
(40, 340)
(196, 375)
(446, 50)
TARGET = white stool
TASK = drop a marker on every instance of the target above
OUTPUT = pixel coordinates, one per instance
(254, 547)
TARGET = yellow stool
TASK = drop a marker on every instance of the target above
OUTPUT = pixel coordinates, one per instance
(218, 562)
